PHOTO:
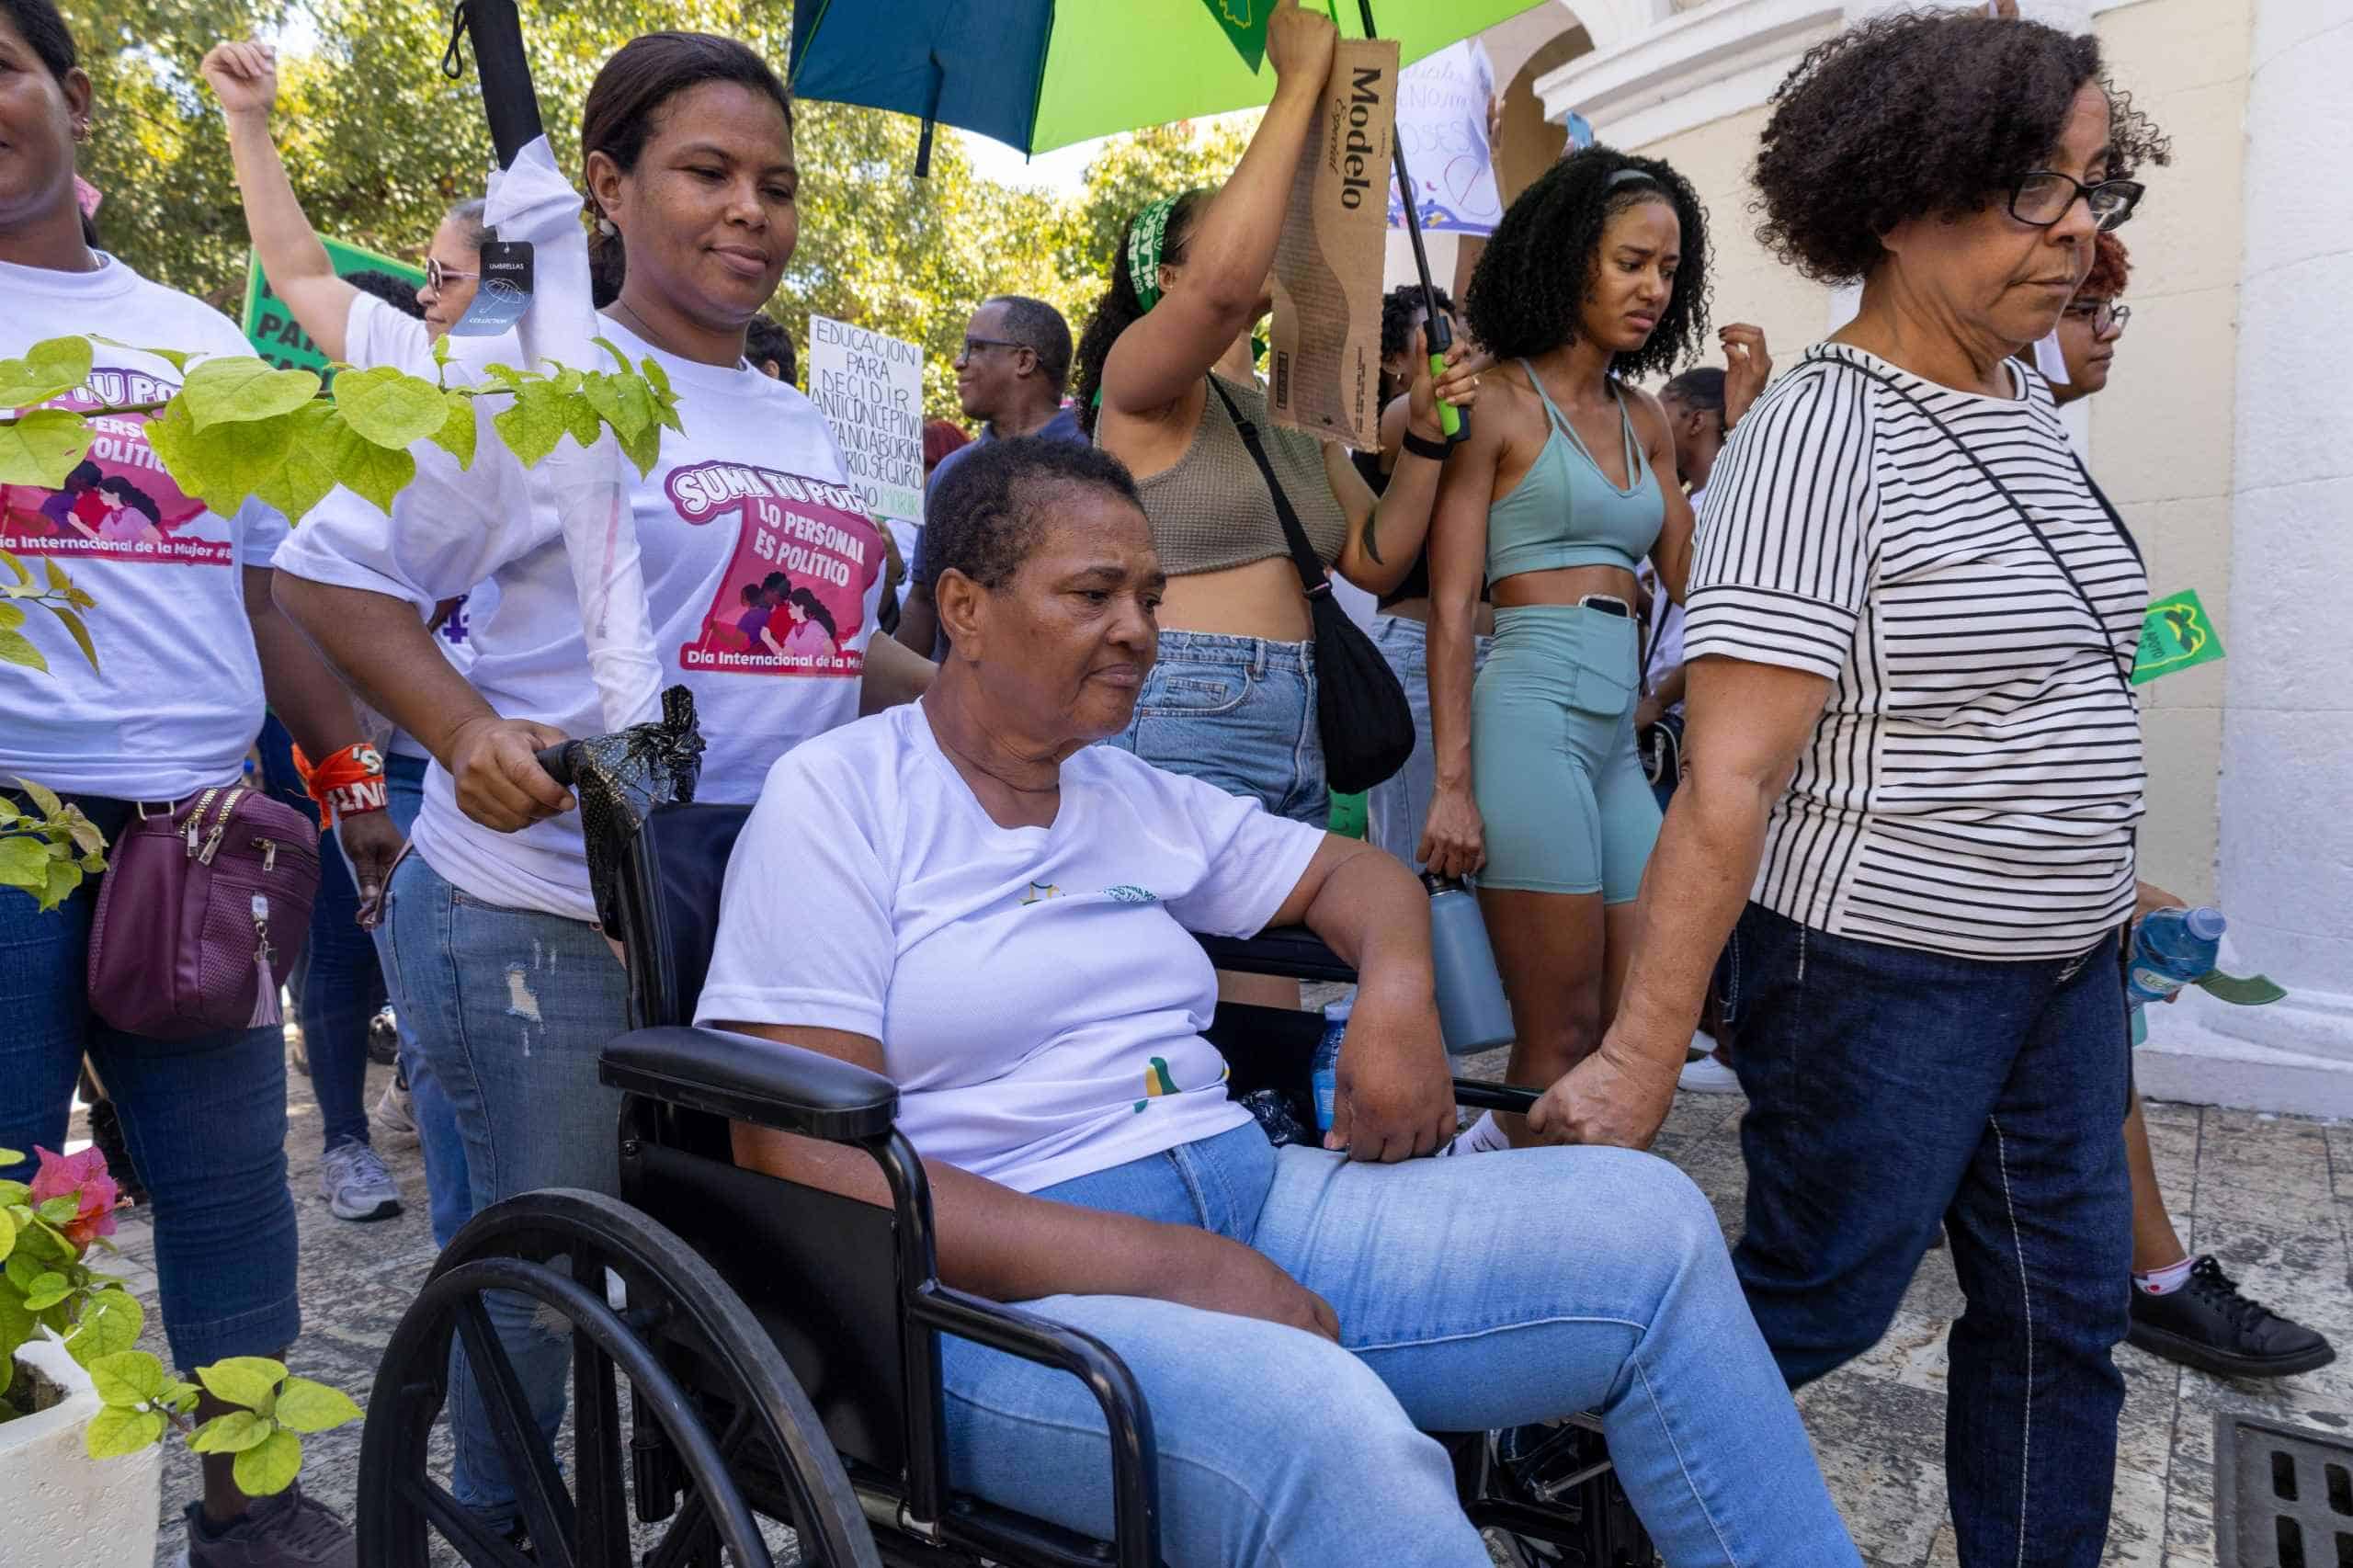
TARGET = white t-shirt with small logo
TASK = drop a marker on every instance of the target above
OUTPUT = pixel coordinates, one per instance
(762, 575)
(176, 699)
(1039, 999)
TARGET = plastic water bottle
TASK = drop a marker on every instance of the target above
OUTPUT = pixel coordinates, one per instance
(1324, 1073)
(1472, 1014)
(2172, 948)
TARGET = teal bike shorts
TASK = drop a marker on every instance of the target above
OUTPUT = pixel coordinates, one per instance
(1552, 762)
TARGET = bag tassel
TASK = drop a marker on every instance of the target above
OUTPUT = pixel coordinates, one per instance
(266, 1009)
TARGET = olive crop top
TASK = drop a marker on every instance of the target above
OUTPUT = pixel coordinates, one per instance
(1210, 510)
(1565, 513)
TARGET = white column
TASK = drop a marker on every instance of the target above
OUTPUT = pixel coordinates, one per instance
(2287, 812)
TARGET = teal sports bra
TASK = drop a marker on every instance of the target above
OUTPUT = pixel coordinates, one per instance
(1565, 513)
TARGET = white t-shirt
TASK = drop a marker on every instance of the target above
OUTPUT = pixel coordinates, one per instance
(1038, 997)
(1972, 784)
(176, 698)
(750, 497)
(376, 334)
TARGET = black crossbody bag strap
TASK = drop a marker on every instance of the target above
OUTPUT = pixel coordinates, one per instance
(1309, 565)
(2122, 662)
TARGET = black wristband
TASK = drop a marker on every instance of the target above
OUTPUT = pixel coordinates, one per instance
(1434, 450)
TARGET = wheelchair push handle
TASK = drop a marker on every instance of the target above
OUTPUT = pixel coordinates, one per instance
(560, 761)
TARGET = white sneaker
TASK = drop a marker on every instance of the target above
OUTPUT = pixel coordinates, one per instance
(1706, 1076)
(356, 1183)
(395, 1117)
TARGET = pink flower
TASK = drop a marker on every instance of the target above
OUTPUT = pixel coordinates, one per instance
(83, 1177)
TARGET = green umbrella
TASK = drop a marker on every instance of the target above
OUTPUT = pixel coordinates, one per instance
(1039, 75)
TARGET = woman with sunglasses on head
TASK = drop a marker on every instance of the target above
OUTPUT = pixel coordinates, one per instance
(1233, 696)
(1595, 276)
(1915, 769)
(688, 147)
(349, 323)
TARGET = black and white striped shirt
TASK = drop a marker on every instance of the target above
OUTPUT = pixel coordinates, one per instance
(1972, 785)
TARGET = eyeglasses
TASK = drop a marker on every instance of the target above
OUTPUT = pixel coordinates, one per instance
(437, 276)
(2105, 317)
(972, 346)
(2044, 198)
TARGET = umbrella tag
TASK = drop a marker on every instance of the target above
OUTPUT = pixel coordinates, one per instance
(504, 294)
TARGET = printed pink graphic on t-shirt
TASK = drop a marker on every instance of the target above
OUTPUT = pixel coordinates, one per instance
(118, 504)
(793, 596)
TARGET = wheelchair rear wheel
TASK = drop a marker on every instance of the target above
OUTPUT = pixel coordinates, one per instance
(711, 1400)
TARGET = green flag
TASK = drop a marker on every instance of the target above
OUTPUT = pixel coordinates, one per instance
(271, 328)
(2175, 635)
(1244, 22)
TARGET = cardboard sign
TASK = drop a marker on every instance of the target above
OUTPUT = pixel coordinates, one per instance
(869, 388)
(271, 328)
(1442, 126)
(1325, 372)
(2176, 636)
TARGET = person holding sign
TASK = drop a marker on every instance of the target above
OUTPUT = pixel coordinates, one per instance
(689, 151)
(1233, 699)
(348, 323)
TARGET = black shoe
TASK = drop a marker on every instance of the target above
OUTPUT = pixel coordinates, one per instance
(2210, 1326)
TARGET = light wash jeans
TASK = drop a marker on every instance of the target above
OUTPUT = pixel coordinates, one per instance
(1491, 1290)
(510, 1008)
(1399, 807)
(450, 1199)
(1238, 712)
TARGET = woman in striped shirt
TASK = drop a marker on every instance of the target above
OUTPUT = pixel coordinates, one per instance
(1917, 769)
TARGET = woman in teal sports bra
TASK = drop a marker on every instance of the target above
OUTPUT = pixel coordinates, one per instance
(1595, 276)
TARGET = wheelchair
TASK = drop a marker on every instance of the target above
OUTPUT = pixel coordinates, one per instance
(779, 1344)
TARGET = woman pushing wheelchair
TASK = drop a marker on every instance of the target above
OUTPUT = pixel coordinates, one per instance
(994, 912)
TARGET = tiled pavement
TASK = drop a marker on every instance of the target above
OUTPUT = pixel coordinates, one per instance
(2270, 1196)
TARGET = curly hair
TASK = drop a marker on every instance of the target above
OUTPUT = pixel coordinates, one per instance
(1401, 311)
(2111, 269)
(988, 511)
(1119, 308)
(1920, 115)
(1527, 295)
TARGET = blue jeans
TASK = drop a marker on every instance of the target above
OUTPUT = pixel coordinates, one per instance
(1399, 806)
(339, 988)
(510, 1008)
(1473, 1293)
(205, 1119)
(1891, 1089)
(1238, 712)
(447, 1194)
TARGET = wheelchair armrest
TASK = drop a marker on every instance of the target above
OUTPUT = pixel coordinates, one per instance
(1290, 951)
(759, 1081)
(1135, 1465)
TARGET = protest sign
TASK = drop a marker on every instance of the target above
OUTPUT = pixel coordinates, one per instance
(271, 328)
(869, 388)
(1325, 368)
(2175, 635)
(1442, 125)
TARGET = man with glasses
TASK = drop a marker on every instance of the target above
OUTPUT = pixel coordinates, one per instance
(1009, 376)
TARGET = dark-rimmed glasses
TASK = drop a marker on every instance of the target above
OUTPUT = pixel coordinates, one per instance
(2105, 315)
(2044, 198)
(974, 344)
(437, 276)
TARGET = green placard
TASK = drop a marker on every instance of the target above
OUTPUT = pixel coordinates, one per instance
(1347, 817)
(271, 328)
(2177, 635)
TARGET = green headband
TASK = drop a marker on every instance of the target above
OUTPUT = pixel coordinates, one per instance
(1146, 236)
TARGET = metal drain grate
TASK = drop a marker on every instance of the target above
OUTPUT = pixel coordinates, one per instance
(2283, 1495)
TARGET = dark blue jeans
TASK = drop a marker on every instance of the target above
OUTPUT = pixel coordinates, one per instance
(205, 1119)
(1890, 1089)
(339, 989)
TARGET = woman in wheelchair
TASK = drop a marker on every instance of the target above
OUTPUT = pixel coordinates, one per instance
(970, 896)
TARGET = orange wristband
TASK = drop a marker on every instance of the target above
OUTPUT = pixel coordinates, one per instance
(349, 784)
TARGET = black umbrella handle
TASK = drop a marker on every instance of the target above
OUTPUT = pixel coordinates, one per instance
(508, 100)
(1437, 337)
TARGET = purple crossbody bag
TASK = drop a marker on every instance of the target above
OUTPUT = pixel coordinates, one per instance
(202, 913)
